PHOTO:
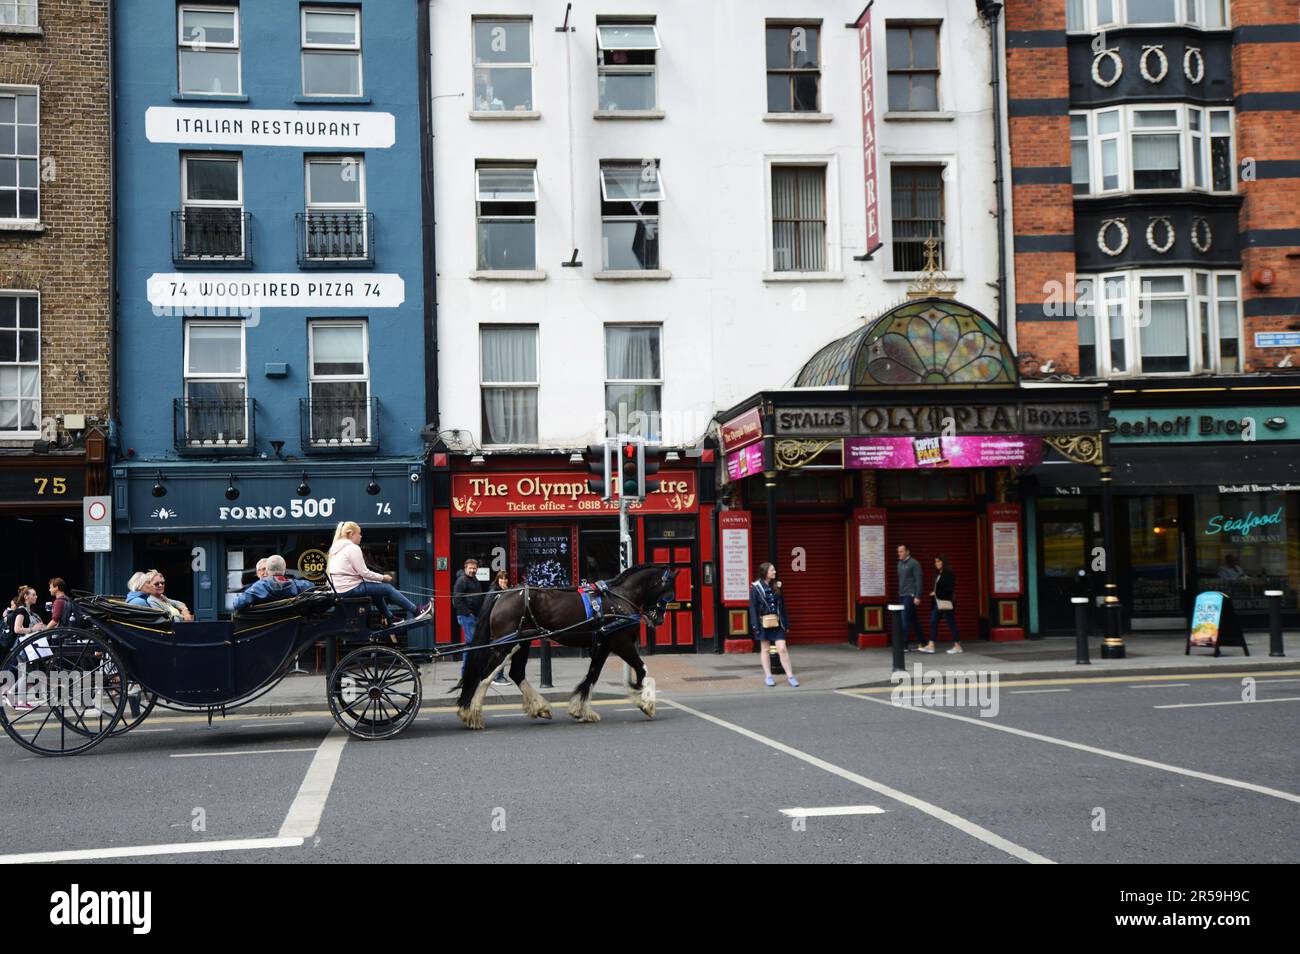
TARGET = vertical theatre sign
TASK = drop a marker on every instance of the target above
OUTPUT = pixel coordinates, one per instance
(868, 130)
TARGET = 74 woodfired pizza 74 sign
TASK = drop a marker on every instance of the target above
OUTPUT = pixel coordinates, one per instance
(504, 495)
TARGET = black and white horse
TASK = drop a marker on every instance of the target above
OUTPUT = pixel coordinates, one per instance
(560, 614)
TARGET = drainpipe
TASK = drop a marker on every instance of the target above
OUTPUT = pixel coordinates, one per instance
(425, 84)
(989, 10)
(103, 561)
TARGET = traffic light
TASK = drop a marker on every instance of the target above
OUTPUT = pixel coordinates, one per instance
(630, 458)
(649, 467)
(598, 463)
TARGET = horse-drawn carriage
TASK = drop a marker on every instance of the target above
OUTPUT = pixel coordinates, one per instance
(69, 688)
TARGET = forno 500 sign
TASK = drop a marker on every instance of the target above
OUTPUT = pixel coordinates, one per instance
(310, 507)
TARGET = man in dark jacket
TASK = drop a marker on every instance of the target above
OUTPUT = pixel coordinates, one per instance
(274, 586)
(466, 601)
(909, 594)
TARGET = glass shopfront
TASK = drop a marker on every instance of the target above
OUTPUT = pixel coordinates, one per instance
(1247, 543)
(1157, 571)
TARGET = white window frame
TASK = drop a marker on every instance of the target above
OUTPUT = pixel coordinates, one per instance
(1198, 361)
(18, 6)
(238, 205)
(11, 91)
(364, 376)
(535, 385)
(18, 293)
(1187, 144)
(217, 376)
(613, 69)
(475, 65)
(340, 48)
(830, 167)
(479, 217)
(183, 44)
(658, 198)
(360, 207)
(658, 382)
(1190, 13)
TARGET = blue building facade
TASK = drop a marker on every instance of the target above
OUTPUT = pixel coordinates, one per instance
(272, 328)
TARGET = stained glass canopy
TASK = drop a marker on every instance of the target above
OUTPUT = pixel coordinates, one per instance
(931, 342)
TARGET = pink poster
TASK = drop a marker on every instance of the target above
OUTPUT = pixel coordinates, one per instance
(910, 453)
(746, 461)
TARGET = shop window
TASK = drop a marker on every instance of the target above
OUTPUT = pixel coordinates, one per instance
(630, 193)
(912, 52)
(1248, 543)
(633, 381)
(340, 383)
(793, 67)
(1161, 322)
(208, 50)
(507, 216)
(509, 382)
(916, 202)
(20, 135)
(331, 51)
(1155, 553)
(625, 65)
(20, 363)
(1144, 148)
(503, 65)
(216, 411)
(799, 218)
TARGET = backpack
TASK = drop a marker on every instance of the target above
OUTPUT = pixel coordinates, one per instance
(7, 631)
(72, 616)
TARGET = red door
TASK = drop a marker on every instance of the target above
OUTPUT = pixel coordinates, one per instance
(678, 630)
(812, 564)
(955, 536)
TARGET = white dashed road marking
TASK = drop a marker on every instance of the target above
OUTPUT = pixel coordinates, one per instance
(1231, 702)
(832, 810)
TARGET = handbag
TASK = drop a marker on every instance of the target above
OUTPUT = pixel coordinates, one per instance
(770, 621)
(943, 606)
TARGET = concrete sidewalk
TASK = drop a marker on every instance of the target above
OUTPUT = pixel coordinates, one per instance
(830, 667)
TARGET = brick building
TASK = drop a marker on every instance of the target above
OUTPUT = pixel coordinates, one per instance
(54, 281)
(1155, 167)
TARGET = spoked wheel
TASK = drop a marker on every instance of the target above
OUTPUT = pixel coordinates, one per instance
(57, 697)
(139, 703)
(374, 692)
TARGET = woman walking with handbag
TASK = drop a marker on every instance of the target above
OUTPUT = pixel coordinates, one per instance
(945, 588)
(768, 622)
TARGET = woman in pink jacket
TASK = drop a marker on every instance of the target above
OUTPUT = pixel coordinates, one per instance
(349, 574)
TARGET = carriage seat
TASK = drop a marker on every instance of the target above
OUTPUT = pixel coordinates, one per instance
(313, 602)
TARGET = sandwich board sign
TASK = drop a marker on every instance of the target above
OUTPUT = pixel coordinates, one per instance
(1215, 624)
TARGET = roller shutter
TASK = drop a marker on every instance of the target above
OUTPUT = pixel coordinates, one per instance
(815, 599)
(955, 536)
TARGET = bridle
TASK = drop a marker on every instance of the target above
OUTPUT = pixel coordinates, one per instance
(655, 615)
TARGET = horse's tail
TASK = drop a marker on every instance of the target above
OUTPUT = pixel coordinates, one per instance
(476, 664)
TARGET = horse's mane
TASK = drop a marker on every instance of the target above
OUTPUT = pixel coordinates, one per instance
(632, 571)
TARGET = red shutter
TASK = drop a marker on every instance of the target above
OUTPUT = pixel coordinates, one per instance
(955, 536)
(815, 598)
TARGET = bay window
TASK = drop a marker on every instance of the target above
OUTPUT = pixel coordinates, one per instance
(1147, 148)
(1085, 16)
(1171, 321)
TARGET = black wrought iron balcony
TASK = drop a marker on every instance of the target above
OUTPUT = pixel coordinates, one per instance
(335, 239)
(213, 427)
(339, 425)
(220, 238)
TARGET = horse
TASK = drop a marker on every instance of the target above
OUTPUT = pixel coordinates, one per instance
(559, 614)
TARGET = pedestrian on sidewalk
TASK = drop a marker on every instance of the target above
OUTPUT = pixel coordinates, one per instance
(944, 607)
(909, 595)
(768, 622)
(466, 602)
(500, 583)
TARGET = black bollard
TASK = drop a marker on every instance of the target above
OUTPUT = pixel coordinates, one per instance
(546, 664)
(896, 610)
(1080, 630)
(1274, 622)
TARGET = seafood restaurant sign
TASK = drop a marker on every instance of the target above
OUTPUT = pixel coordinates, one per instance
(270, 127)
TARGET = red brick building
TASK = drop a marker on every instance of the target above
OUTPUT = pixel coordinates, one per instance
(1155, 170)
(54, 282)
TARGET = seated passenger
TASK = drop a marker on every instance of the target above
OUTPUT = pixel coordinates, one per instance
(274, 586)
(136, 594)
(154, 585)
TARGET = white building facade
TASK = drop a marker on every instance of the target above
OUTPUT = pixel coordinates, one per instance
(659, 210)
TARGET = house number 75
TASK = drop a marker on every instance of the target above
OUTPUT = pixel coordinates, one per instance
(60, 485)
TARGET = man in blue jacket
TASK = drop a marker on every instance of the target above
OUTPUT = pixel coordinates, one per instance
(274, 586)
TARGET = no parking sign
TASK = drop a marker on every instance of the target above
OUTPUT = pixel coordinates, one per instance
(96, 525)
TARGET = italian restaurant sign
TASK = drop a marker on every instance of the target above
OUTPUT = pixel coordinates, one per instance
(1023, 418)
(318, 129)
(911, 453)
(562, 492)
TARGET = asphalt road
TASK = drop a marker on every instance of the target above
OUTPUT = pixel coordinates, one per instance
(710, 779)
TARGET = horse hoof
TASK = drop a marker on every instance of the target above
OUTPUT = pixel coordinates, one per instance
(544, 714)
(575, 708)
(590, 717)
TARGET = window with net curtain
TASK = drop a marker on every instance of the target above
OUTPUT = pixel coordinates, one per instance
(508, 355)
(1156, 156)
(799, 218)
(20, 363)
(340, 386)
(214, 383)
(633, 381)
(1163, 336)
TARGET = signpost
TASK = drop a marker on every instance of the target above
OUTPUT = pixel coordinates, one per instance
(96, 524)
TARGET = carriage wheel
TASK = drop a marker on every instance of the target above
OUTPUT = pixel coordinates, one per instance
(136, 710)
(374, 692)
(57, 700)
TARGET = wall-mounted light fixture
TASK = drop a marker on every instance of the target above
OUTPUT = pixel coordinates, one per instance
(372, 488)
(232, 492)
(159, 489)
(304, 489)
